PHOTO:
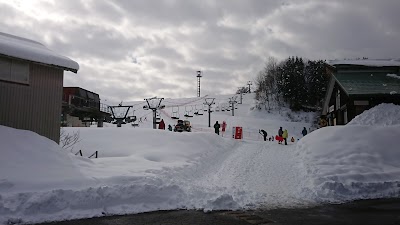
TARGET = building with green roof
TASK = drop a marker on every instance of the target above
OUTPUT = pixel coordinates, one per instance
(358, 85)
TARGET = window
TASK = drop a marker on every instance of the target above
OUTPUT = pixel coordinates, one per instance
(14, 70)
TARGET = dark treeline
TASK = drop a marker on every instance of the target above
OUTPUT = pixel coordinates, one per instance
(299, 83)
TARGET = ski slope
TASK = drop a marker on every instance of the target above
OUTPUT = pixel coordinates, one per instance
(140, 169)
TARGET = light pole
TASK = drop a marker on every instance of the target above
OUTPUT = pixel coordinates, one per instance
(198, 82)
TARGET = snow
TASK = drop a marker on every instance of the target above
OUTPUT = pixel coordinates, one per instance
(26, 49)
(393, 75)
(365, 62)
(344, 164)
(141, 169)
(381, 115)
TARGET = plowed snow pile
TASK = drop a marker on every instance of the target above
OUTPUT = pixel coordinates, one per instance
(381, 115)
(358, 161)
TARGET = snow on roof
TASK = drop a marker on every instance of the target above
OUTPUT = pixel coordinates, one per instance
(26, 49)
(366, 62)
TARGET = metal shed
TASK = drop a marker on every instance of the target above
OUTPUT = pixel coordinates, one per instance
(31, 85)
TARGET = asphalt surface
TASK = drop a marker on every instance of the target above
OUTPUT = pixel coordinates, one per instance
(366, 212)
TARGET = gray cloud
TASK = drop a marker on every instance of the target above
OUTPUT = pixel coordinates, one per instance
(130, 50)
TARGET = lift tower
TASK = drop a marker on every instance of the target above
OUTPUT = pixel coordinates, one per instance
(198, 82)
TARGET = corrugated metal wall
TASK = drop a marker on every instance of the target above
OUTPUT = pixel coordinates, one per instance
(37, 106)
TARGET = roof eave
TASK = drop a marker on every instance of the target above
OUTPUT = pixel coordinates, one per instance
(46, 64)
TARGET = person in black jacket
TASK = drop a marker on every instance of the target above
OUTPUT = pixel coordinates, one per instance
(280, 133)
(216, 127)
(304, 131)
(264, 134)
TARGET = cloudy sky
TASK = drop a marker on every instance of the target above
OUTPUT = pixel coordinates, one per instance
(135, 49)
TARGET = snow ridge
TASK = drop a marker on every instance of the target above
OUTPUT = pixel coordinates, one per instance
(381, 115)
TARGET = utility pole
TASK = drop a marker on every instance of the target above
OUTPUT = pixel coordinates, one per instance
(241, 94)
(232, 101)
(154, 104)
(198, 82)
(249, 83)
(209, 102)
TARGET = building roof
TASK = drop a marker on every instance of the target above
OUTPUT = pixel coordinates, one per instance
(363, 83)
(366, 62)
(22, 48)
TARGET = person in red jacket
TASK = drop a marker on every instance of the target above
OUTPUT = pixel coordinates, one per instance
(161, 125)
(223, 127)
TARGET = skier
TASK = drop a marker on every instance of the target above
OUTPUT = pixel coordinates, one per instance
(304, 131)
(161, 125)
(223, 127)
(292, 140)
(285, 136)
(264, 134)
(216, 127)
(280, 133)
(169, 127)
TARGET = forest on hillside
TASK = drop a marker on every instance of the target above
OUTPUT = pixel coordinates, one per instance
(299, 83)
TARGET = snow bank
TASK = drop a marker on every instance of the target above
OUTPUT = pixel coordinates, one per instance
(32, 162)
(42, 182)
(352, 162)
(380, 115)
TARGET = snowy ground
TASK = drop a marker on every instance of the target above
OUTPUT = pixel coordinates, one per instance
(140, 169)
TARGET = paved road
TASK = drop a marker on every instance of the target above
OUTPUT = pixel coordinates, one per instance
(368, 212)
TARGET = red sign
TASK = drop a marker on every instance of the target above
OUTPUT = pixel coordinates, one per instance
(237, 133)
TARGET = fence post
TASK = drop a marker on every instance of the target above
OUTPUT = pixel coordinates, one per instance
(80, 153)
(94, 154)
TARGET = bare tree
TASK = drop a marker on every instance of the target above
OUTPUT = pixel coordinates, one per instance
(266, 83)
(67, 140)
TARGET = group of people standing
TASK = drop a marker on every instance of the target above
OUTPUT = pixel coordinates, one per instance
(282, 135)
(217, 126)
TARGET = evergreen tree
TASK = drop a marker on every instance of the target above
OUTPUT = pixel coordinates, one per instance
(297, 83)
(317, 82)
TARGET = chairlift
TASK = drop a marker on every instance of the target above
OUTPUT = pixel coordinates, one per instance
(135, 123)
(217, 108)
(120, 114)
(175, 113)
(158, 116)
(227, 108)
(198, 112)
(188, 113)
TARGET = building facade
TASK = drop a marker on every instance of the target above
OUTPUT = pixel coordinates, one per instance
(356, 86)
(31, 86)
